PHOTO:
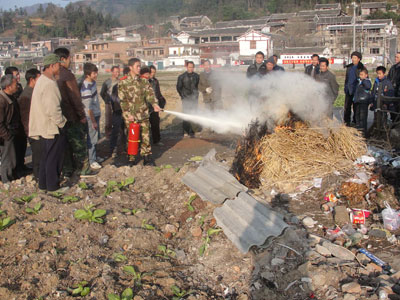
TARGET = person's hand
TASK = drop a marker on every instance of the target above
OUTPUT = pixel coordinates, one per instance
(156, 108)
(209, 90)
(95, 125)
(83, 121)
(130, 118)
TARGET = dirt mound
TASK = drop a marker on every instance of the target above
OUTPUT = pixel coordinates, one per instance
(149, 225)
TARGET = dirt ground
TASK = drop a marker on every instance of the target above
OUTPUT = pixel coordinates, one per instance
(151, 226)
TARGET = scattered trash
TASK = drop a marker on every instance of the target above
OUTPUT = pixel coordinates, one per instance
(377, 260)
(309, 222)
(358, 216)
(391, 218)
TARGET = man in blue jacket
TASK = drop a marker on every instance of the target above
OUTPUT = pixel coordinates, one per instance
(350, 85)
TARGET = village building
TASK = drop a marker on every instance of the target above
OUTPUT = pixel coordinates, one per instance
(129, 31)
(7, 43)
(369, 8)
(67, 42)
(151, 51)
(376, 39)
(97, 51)
(328, 6)
(194, 22)
(252, 42)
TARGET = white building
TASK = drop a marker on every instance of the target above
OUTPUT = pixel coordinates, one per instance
(251, 42)
(179, 54)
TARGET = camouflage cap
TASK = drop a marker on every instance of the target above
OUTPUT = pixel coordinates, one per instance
(51, 59)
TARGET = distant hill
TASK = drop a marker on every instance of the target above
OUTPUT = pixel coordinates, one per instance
(30, 10)
(153, 11)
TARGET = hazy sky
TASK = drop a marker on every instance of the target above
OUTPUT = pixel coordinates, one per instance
(6, 4)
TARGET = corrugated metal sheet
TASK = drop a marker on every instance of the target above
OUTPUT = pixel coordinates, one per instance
(246, 222)
(212, 181)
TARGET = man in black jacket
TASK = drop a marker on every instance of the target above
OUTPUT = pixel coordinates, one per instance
(394, 77)
(313, 69)
(258, 68)
(105, 93)
(350, 85)
(187, 87)
(154, 116)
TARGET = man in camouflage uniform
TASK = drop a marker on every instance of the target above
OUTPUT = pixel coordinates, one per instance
(137, 98)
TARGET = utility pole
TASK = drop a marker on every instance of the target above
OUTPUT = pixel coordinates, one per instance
(354, 26)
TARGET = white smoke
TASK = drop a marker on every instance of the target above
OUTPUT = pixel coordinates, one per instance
(268, 99)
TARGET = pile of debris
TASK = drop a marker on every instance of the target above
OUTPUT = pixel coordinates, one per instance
(294, 152)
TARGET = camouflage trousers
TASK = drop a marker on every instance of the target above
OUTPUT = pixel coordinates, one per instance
(76, 153)
(144, 145)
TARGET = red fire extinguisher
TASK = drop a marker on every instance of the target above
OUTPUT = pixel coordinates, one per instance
(133, 138)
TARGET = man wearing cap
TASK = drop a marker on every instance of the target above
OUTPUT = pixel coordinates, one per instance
(46, 122)
(350, 84)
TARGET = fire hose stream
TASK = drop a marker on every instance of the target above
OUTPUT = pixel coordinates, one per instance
(215, 124)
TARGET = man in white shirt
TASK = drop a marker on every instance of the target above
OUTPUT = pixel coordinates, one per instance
(46, 122)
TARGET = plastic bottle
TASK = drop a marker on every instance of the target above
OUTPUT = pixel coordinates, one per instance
(383, 295)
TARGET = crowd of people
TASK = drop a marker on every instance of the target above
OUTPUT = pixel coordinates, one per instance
(60, 116)
(359, 97)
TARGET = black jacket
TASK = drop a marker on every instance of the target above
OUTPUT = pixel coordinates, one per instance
(187, 86)
(309, 68)
(394, 77)
(157, 92)
(350, 83)
(105, 89)
(386, 89)
(7, 117)
(252, 70)
(363, 92)
(278, 68)
(115, 102)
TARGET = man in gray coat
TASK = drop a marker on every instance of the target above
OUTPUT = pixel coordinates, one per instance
(9, 125)
(332, 87)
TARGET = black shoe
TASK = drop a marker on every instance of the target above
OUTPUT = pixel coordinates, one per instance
(148, 161)
(27, 169)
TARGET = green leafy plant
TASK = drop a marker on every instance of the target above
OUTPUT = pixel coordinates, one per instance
(127, 294)
(136, 275)
(6, 222)
(83, 186)
(180, 293)
(2, 212)
(88, 214)
(202, 219)
(35, 210)
(189, 203)
(119, 257)
(159, 169)
(165, 252)
(81, 290)
(69, 199)
(57, 195)
(207, 239)
(147, 226)
(113, 185)
(133, 211)
(25, 199)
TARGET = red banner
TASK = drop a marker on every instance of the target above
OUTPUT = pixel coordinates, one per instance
(302, 61)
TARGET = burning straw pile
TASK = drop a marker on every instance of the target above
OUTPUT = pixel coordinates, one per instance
(294, 153)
